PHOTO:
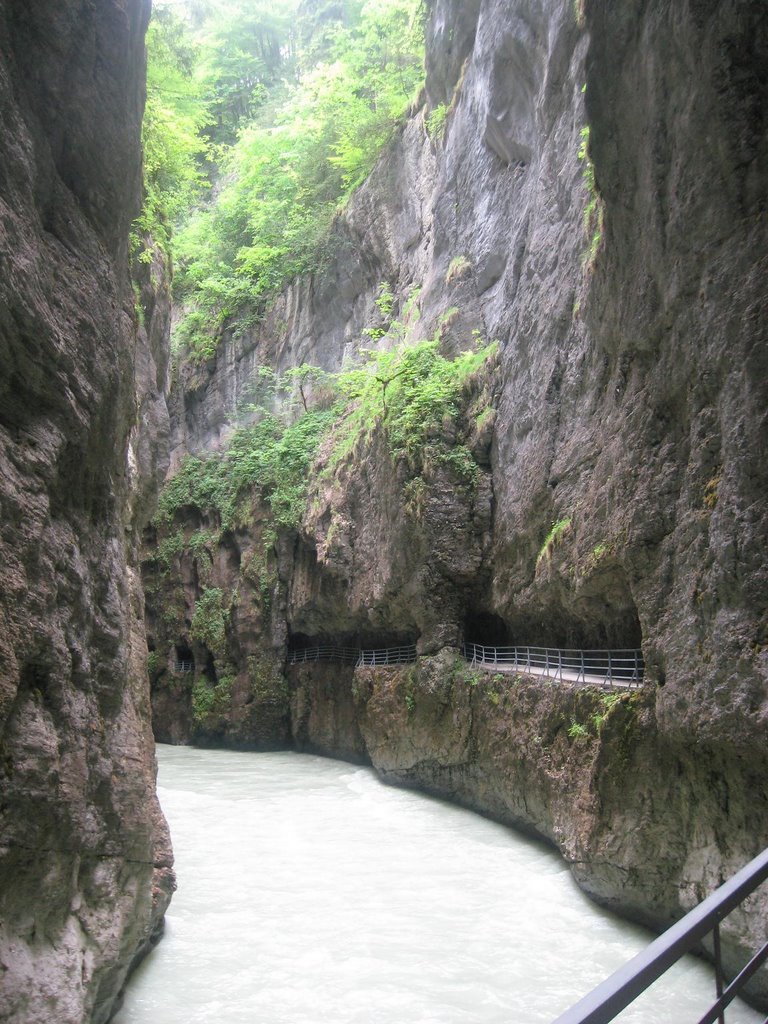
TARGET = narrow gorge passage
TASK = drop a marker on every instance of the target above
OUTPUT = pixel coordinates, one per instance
(310, 892)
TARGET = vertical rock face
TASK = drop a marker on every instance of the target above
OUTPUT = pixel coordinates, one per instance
(85, 861)
(597, 202)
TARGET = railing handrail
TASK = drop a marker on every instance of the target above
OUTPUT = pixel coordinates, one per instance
(623, 665)
(325, 652)
(575, 650)
(368, 656)
(388, 655)
(603, 1003)
(183, 665)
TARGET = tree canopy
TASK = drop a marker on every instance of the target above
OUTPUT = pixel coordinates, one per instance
(283, 108)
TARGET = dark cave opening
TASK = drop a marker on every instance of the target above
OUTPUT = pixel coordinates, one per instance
(352, 641)
(486, 628)
(185, 659)
(595, 621)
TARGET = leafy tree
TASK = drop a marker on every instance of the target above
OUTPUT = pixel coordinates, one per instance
(283, 180)
(174, 119)
(247, 48)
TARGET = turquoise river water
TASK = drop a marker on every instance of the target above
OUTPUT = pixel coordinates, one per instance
(310, 893)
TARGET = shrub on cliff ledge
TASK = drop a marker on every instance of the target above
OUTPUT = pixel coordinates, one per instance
(269, 457)
(209, 620)
(416, 395)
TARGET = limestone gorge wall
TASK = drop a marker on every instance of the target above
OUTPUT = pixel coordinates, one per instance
(85, 860)
(627, 403)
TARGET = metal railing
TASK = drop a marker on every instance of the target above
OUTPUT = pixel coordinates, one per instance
(389, 656)
(329, 652)
(622, 667)
(606, 1001)
(183, 666)
(353, 656)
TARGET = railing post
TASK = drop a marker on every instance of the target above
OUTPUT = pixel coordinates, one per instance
(610, 669)
(718, 969)
(583, 670)
(560, 664)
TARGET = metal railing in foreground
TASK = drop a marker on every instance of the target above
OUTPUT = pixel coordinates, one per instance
(183, 666)
(623, 667)
(329, 652)
(606, 1001)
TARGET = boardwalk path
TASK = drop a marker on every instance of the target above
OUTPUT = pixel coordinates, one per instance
(619, 668)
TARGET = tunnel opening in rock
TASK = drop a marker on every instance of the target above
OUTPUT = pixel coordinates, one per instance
(602, 617)
(357, 641)
(560, 628)
(482, 627)
(184, 660)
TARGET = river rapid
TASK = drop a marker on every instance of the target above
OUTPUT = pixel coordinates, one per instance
(309, 892)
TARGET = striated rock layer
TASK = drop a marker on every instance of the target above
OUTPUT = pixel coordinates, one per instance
(597, 203)
(85, 859)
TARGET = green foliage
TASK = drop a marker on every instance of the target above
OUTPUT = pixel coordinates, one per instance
(169, 548)
(247, 50)
(210, 620)
(577, 731)
(594, 210)
(560, 529)
(210, 700)
(285, 176)
(458, 268)
(385, 301)
(435, 122)
(310, 382)
(174, 147)
(415, 494)
(608, 701)
(268, 456)
(154, 663)
(415, 393)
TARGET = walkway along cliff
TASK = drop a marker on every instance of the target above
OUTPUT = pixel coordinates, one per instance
(585, 184)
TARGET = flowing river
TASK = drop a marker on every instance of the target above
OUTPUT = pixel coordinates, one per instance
(309, 892)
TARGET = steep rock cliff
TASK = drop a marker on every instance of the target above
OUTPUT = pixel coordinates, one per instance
(85, 859)
(597, 202)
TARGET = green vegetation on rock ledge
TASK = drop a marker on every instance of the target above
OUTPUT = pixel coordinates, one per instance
(413, 394)
(270, 455)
